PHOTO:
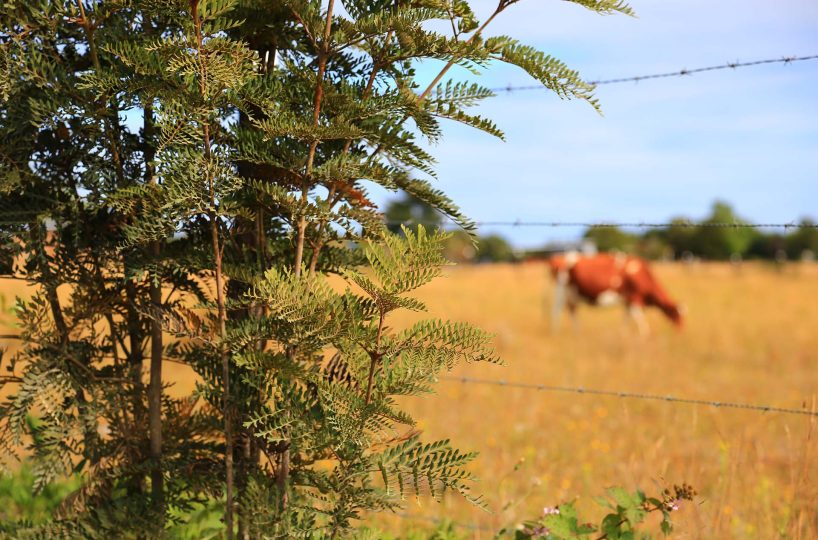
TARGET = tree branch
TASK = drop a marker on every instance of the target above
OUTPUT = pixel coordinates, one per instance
(220, 302)
(323, 56)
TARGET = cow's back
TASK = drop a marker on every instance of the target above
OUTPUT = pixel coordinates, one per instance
(593, 276)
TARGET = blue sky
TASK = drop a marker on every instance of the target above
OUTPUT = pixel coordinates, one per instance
(663, 148)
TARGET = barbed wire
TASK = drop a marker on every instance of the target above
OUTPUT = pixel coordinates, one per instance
(684, 224)
(679, 73)
(631, 395)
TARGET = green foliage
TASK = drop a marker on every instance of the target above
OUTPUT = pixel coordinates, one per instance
(19, 501)
(206, 236)
(445, 530)
(626, 513)
(771, 246)
(714, 238)
(459, 247)
(552, 73)
(203, 521)
(721, 242)
(611, 239)
(344, 410)
(606, 6)
(494, 248)
(803, 241)
(411, 212)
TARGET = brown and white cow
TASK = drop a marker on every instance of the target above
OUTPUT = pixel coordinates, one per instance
(605, 279)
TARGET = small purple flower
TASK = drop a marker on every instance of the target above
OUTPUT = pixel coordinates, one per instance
(674, 505)
(538, 532)
(548, 510)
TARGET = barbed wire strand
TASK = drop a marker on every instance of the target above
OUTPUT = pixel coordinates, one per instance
(612, 393)
(631, 395)
(581, 390)
(625, 225)
(679, 73)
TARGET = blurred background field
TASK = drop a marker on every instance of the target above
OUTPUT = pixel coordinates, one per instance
(749, 337)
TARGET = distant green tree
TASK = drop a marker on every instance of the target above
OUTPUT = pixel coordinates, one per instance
(803, 239)
(766, 246)
(611, 239)
(494, 248)
(653, 246)
(713, 238)
(411, 212)
(678, 237)
(720, 243)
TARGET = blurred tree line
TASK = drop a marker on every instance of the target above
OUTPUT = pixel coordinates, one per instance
(461, 247)
(684, 238)
(709, 240)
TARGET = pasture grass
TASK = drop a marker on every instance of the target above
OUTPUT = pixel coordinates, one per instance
(749, 336)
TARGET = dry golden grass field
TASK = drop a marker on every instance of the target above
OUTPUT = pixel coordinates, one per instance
(750, 336)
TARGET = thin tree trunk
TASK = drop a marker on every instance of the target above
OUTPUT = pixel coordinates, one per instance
(323, 56)
(374, 358)
(319, 242)
(155, 396)
(243, 474)
(112, 126)
(53, 299)
(227, 408)
(283, 471)
(136, 356)
(112, 131)
(155, 385)
(135, 359)
(222, 313)
(247, 459)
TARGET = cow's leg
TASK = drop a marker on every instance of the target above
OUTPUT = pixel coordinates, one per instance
(560, 294)
(573, 304)
(637, 315)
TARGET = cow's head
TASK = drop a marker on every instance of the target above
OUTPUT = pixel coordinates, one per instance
(556, 263)
(562, 262)
(674, 313)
